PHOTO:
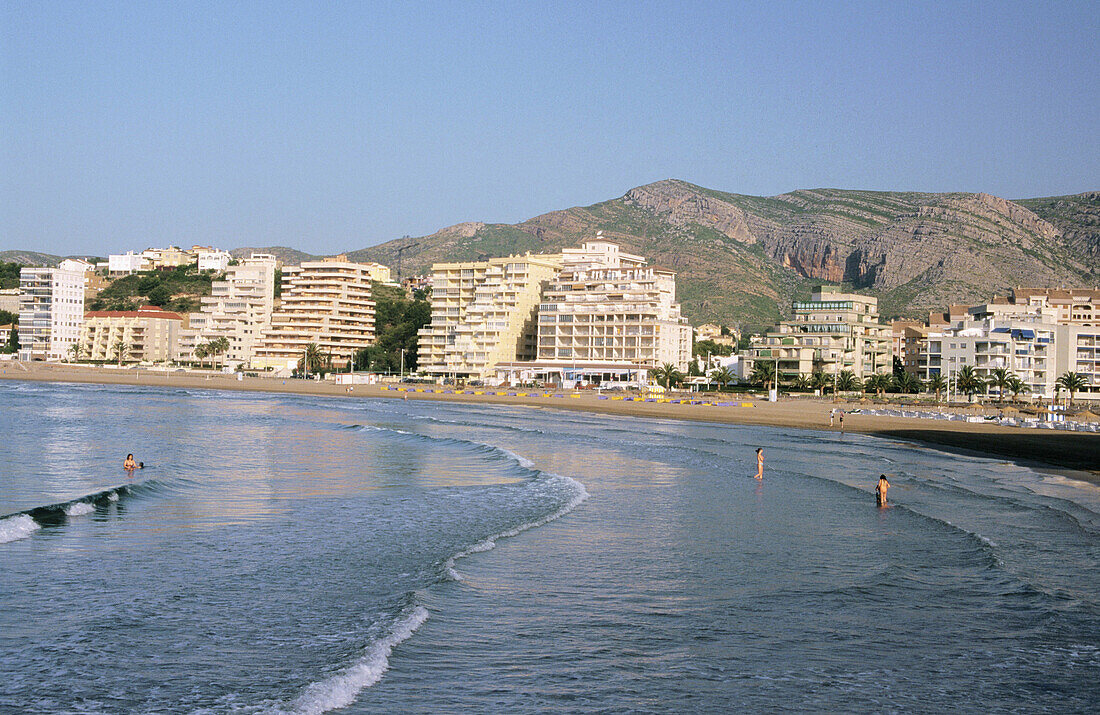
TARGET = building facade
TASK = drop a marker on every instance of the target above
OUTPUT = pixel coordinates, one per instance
(830, 333)
(51, 310)
(484, 313)
(120, 264)
(608, 307)
(238, 308)
(327, 303)
(149, 334)
(213, 260)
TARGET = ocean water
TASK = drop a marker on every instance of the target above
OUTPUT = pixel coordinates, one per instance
(305, 555)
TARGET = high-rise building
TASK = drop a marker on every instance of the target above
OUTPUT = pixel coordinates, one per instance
(238, 308)
(607, 307)
(149, 334)
(830, 333)
(327, 303)
(51, 310)
(484, 313)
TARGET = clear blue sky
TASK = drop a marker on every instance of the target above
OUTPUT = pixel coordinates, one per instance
(337, 125)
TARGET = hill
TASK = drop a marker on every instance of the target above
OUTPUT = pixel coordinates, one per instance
(289, 256)
(738, 255)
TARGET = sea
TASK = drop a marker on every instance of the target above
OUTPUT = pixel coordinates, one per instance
(299, 554)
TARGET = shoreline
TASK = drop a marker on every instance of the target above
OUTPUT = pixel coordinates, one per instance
(1071, 454)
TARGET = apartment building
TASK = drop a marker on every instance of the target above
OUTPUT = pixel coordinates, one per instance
(484, 313)
(121, 264)
(1077, 349)
(169, 257)
(909, 345)
(51, 310)
(326, 302)
(608, 307)
(149, 334)
(213, 260)
(1023, 346)
(830, 333)
(379, 273)
(1077, 306)
(238, 308)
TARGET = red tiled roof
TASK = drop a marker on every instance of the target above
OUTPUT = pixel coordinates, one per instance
(146, 311)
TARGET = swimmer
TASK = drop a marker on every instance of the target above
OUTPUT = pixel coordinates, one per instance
(129, 465)
(759, 463)
(881, 488)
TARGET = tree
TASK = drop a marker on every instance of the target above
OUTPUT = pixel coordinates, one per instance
(801, 382)
(8, 318)
(969, 382)
(847, 381)
(121, 351)
(907, 383)
(160, 296)
(709, 347)
(878, 383)
(668, 375)
(313, 360)
(722, 376)
(76, 351)
(1017, 387)
(899, 367)
(937, 384)
(12, 346)
(821, 381)
(1071, 382)
(218, 346)
(201, 351)
(693, 369)
(763, 373)
(999, 378)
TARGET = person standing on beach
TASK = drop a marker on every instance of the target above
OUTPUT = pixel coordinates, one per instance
(760, 463)
(832, 413)
(881, 489)
(842, 420)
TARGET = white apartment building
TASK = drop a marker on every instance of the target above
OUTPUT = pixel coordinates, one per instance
(238, 308)
(1077, 349)
(484, 313)
(126, 263)
(326, 302)
(213, 260)
(830, 333)
(1025, 347)
(608, 308)
(149, 334)
(51, 310)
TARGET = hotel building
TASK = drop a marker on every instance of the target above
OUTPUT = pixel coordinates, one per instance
(484, 313)
(150, 334)
(326, 302)
(830, 333)
(238, 308)
(51, 310)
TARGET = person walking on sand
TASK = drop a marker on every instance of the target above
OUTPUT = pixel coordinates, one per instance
(760, 463)
(881, 489)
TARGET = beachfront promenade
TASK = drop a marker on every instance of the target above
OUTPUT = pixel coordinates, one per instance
(1062, 448)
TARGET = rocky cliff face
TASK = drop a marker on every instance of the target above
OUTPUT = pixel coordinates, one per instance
(738, 256)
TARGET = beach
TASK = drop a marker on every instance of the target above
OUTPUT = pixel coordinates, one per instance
(1079, 452)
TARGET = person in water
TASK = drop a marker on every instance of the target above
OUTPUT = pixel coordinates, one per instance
(129, 465)
(759, 462)
(881, 489)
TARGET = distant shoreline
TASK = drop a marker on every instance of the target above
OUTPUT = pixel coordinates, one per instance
(1077, 452)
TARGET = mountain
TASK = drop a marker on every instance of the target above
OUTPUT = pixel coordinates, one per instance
(737, 256)
(34, 258)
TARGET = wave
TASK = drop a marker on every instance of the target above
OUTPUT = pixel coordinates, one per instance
(341, 689)
(480, 448)
(17, 527)
(580, 494)
(60, 512)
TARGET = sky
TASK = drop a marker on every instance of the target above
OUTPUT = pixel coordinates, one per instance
(338, 125)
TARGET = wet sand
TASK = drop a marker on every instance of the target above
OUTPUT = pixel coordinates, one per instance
(1077, 451)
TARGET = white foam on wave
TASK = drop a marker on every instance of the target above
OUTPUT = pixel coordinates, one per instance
(340, 690)
(79, 508)
(17, 527)
(113, 496)
(579, 495)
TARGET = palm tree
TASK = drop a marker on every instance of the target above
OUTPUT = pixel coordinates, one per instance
(969, 382)
(763, 373)
(218, 346)
(821, 381)
(668, 375)
(999, 378)
(76, 351)
(937, 384)
(121, 350)
(201, 351)
(801, 382)
(878, 382)
(722, 376)
(847, 381)
(908, 383)
(1071, 382)
(1016, 386)
(313, 360)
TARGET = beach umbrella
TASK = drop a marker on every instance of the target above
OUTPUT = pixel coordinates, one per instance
(1010, 410)
(1086, 416)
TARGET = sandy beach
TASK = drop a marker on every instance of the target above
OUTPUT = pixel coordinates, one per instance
(1076, 451)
